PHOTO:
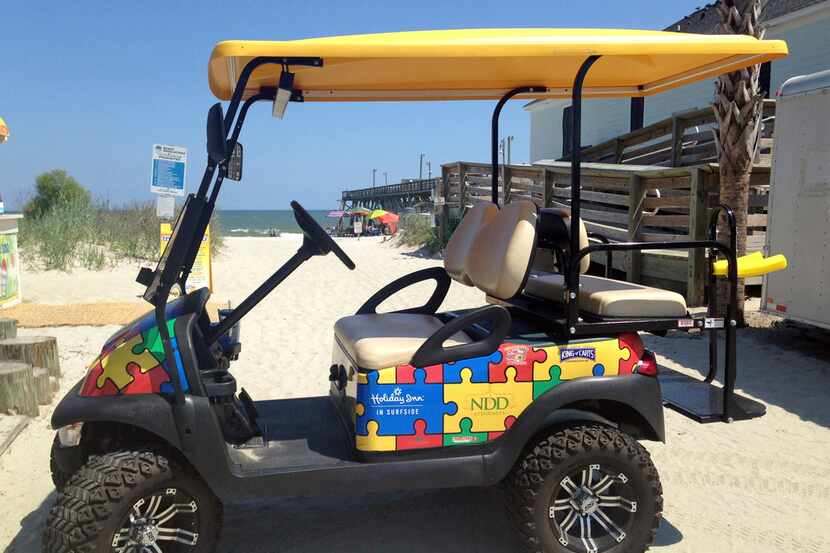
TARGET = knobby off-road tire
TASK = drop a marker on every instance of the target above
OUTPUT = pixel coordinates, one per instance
(59, 477)
(540, 499)
(97, 508)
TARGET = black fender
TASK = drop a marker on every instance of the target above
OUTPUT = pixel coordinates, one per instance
(149, 412)
(567, 402)
(204, 445)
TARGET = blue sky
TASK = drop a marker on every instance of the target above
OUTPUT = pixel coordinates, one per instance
(90, 87)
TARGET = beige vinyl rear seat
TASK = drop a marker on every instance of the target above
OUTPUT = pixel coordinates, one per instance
(381, 340)
(610, 298)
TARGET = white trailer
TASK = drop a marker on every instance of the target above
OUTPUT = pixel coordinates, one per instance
(799, 207)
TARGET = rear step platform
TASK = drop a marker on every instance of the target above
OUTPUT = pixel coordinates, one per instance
(703, 401)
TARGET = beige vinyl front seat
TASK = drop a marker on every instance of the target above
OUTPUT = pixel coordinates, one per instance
(605, 297)
(381, 340)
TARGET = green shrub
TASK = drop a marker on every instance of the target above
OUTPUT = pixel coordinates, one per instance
(52, 189)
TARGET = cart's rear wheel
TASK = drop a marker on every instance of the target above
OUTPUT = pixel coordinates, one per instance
(585, 489)
(133, 502)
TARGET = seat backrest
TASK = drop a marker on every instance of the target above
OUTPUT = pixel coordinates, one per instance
(555, 228)
(502, 253)
(461, 241)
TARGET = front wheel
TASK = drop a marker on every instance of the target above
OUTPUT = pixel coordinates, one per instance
(585, 489)
(133, 501)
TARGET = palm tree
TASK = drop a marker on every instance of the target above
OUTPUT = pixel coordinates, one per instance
(738, 107)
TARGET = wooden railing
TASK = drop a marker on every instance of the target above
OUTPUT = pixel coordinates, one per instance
(624, 203)
(423, 186)
(684, 139)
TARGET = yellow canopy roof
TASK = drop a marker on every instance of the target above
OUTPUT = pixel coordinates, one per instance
(485, 63)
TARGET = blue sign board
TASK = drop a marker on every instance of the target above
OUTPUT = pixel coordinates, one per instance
(169, 170)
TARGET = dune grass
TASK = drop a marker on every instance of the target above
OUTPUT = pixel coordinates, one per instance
(95, 236)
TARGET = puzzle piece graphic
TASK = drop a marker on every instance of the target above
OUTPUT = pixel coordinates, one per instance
(486, 404)
(387, 376)
(479, 368)
(147, 382)
(396, 407)
(553, 379)
(374, 442)
(522, 357)
(465, 436)
(114, 364)
(420, 439)
(508, 422)
(153, 343)
(630, 342)
(91, 389)
(406, 374)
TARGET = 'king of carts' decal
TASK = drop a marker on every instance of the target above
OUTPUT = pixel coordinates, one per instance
(570, 354)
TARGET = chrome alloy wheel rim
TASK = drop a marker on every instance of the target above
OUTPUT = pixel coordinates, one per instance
(592, 508)
(164, 522)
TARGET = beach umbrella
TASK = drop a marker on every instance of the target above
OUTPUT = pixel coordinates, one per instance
(388, 217)
(377, 213)
(4, 131)
(358, 211)
(336, 214)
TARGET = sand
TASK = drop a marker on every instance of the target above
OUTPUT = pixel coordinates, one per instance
(756, 486)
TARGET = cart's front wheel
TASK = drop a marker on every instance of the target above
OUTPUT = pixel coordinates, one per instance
(133, 501)
(585, 489)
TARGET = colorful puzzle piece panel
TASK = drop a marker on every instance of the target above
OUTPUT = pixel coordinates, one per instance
(486, 404)
(133, 362)
(476, 400)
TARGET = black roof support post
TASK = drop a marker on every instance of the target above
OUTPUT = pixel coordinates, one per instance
(494, 135)
(572, 282)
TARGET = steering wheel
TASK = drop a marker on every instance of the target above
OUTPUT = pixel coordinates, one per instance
(319, 237)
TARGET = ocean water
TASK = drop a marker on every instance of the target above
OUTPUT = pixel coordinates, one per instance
(259, 223)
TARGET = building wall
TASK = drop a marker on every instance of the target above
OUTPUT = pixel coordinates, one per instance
(808, 38)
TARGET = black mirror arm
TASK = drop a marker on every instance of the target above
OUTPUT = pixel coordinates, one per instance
(433, 352)
(442, 286)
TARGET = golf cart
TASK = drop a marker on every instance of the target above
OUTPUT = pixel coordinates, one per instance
(545, 388)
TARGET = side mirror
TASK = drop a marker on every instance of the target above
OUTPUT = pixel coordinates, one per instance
(216, 146)
(235, 164)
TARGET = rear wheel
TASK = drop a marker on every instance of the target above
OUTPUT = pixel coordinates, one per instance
(585, 489)
(133, 502)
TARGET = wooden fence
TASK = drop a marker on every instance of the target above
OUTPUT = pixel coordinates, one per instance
(684, 139)
(622, 202)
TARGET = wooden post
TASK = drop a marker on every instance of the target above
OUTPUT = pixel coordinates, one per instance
(636, 197)
(548, 187)
(8, 328)
(619, 146)
(43, 388)
(40, 351)
(17, 389)
(678, 128)
(698, 230)
(507, 180)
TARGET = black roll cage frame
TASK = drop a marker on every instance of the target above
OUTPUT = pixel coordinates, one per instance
(574, 324)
